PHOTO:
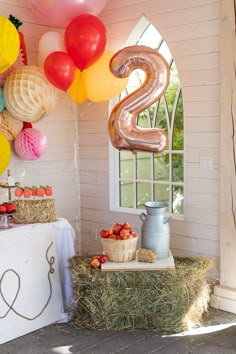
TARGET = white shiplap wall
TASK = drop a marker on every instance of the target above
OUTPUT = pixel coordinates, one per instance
(58, 166)
(191, 29)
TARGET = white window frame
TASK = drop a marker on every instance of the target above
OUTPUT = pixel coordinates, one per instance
(114, 199)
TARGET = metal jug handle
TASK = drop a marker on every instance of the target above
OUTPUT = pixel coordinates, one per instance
(143, 216)
(166, 219)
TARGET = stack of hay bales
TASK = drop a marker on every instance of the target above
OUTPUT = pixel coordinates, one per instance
(168, 301)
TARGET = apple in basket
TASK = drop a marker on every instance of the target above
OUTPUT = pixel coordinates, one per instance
(119, 232)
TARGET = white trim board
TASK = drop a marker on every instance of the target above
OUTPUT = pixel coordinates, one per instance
(224, 299)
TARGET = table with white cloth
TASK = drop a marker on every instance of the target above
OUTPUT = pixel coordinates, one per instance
(35, 280)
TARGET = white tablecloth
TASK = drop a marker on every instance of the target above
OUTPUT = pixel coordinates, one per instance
(64, 237)
(64, 242)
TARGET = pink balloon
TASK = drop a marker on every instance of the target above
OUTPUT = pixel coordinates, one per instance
(60, 12)
(30, 144)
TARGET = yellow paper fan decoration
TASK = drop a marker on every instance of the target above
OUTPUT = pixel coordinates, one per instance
(9, 44)
(9, 126)
(28, 95)
(5, 153)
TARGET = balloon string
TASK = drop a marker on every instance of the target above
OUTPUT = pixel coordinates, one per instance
(74, 113)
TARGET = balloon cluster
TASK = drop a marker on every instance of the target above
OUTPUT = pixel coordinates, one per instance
(76, 61)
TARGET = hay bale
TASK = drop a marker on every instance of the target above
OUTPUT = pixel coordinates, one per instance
(168, 301)
(35, 211)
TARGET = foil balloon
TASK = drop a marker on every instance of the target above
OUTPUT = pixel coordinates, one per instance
(123, 131)
(5, 153)
(9, 44)
(28, 94)
(30, 144)
(60, 12)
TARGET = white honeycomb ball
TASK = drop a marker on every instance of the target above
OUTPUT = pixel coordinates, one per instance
(28, 95)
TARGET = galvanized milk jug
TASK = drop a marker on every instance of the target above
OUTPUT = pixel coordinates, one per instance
(155, 230)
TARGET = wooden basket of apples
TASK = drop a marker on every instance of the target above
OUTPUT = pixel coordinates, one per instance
(119, 242)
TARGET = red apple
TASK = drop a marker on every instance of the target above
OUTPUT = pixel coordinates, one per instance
(126, 226)
(118, 237)
(48, 191)
(133, 234)
(103, 258)
(96, 257)
(27, 193)
(124, 234)
(11, 207)
(116, 228)
(40, 192)
(3, 208)
(18, 192)
(104, 233)
(95, 263)
(112, 237)
(34, 191)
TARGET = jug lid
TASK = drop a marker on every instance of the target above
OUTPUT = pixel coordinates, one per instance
(155, 204)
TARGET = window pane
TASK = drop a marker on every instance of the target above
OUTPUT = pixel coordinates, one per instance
(126, 164)
(164, 50)
(126, 194)
(161, 167)
(150, 37)
(144, 165)
(161, 193)
(161, 120)
(178, 135)
(172, 89)
(177, 168)
(178, 200)
(142, 120)
(143, 194)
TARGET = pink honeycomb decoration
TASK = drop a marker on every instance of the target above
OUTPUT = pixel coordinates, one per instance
(30, 144)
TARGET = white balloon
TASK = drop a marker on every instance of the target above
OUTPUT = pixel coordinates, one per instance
(51, 42)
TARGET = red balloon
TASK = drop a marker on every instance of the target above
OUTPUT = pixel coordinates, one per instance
(59, 69)
(85, 40)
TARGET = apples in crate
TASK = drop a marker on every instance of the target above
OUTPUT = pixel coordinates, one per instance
(119, 232)
(119, 242)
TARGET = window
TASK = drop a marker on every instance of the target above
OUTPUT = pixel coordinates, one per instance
(145, 176)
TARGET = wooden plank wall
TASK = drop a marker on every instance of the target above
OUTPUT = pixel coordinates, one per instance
(58, 166)
(228, 161)
(192, 31)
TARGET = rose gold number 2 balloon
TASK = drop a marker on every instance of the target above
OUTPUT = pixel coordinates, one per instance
(123, 130)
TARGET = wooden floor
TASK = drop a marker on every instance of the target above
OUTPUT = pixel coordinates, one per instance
(219, 338)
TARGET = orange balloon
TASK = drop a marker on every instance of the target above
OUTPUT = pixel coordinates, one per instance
(77, 90)
(101, 84)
